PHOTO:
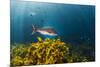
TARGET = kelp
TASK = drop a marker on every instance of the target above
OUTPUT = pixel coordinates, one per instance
(47, 51)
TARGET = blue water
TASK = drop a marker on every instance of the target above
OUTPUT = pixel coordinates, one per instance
(73, 23)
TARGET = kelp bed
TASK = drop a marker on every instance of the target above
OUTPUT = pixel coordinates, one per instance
(48, 51)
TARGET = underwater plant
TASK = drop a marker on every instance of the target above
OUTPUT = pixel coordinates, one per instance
(47, 51)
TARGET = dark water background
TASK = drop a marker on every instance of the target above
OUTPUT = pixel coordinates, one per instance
(73, 23)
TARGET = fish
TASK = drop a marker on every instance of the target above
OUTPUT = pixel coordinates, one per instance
(32, 14)
(44, 31)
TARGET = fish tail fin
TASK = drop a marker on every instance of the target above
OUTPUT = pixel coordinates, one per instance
(34, 29)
